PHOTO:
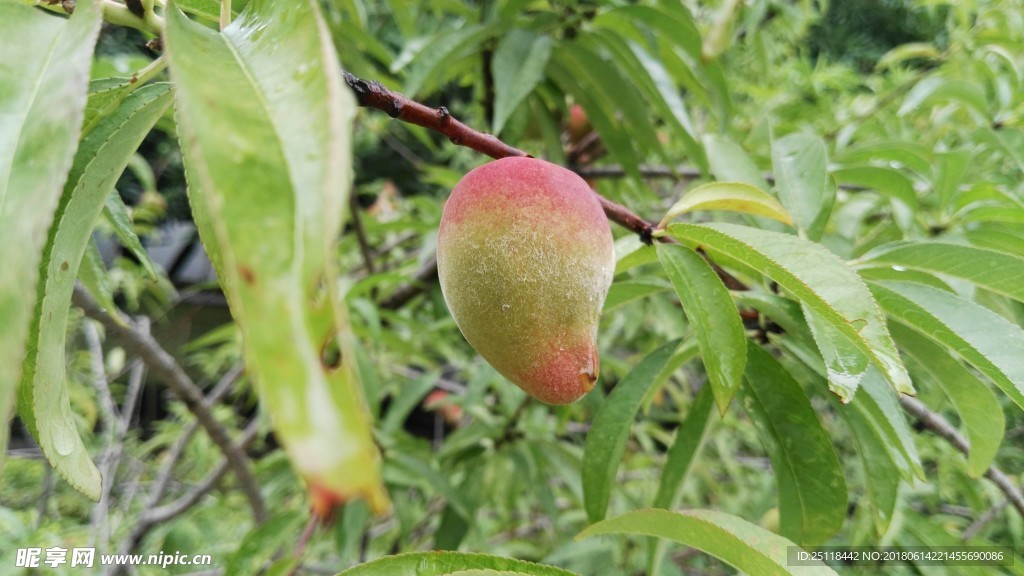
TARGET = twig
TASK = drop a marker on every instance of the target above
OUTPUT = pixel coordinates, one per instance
(114, 441)
(983, 520)
(170, 511)
(167, 369)
(156, 514)
(373, 94)
(163, 477)
(945, 430)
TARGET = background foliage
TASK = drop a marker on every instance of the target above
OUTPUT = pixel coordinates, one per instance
(887, 132)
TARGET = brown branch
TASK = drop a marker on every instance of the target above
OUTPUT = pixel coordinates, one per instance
(373, 94)
(166, 368)
(942, 428)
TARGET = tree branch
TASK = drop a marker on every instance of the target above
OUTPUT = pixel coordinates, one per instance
(373, 94)
(166, 369)
(942, 428)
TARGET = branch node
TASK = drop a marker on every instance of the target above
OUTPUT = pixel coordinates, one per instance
(444, 116)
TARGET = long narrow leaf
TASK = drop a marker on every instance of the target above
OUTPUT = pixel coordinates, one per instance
(688, 441)
(715, 320)
(268, 156)
(986, 340)
(606, 440)
(43, 400)
(44, 78)
(812, 490)
(975, 403)
(733, 196)
(813, 275)
(799, 161)
(990, 269)
(735, 541)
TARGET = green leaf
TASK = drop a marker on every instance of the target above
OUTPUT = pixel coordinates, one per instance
(950, 169)
(880, 405)
(892, 183)
(280, 115)
(561, 71)
(713, 315)
(983, 338)
(975, 403)
(735, 541)
(881, 475)
(447, 564)
(652, 80)
(815, 276)
(845, 362)
(799, 162)
(105, 95)
(934, 89)
(688, 441)
(43, 84)
(120, 221)
(622, 293)
(677, 27)
(518, 64)
(93, 275)
(443, 50)
(908, 51)
(914, 156)
(409, 396)
(262, 542)
(812, 490)
(689, 438)
(43, 399)
(730, 163)
(733, 196)
(606, 440)
(421, 470)
(613, 93)
(996, 271)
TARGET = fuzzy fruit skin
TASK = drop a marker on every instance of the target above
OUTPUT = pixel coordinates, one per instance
(525, 258)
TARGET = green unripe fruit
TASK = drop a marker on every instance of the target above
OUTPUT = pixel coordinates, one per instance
(525, 258)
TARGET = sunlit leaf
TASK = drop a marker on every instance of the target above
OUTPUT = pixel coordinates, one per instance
(908, 51)
(713, 315)
(43, 82)
(813, 275)
(279, 115)
(732, 196)
(938, 89)
(622, 293)
(735, 541)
